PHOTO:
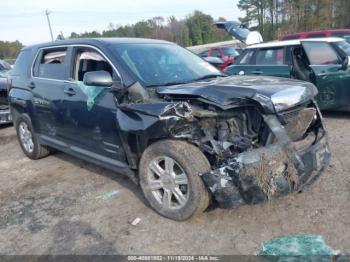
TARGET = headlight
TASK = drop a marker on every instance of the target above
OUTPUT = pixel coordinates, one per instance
(293, 96)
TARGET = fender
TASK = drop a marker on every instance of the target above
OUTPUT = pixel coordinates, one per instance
(142, 124)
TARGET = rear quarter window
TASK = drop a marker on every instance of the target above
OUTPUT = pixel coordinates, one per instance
(245, 58)
(22, 65)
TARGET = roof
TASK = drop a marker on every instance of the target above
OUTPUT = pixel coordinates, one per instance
(99, 41)
(318, 32)
(296, 42)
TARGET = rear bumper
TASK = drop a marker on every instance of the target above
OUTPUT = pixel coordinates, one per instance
(269, 172)
(5, 116)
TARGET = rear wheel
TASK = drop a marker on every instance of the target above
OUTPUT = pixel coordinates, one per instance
(28, 140)
(169, 177)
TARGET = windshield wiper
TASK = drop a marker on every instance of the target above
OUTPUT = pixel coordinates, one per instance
(185, 82)
(207, 77)
(169, 84)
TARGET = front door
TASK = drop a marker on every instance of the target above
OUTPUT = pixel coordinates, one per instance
(332, 81)
(90, 111)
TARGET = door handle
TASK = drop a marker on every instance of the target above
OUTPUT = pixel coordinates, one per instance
(31, 85)
(257, 72)
(69, 91)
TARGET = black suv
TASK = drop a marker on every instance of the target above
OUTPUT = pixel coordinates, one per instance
(169, 120)
(5, 116)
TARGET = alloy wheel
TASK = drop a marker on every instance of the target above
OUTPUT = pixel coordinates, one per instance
(26, 137)
(168, 182)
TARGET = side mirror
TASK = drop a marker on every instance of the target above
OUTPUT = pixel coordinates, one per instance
(117, 86)
(345, 63)
(98, 78)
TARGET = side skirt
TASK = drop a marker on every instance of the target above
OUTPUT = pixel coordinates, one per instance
(105, 162)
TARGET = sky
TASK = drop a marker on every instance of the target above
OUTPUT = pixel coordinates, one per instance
(25, 20)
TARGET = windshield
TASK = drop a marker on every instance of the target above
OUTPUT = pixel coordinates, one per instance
(345, 46)
(163, 64)
(229, 51)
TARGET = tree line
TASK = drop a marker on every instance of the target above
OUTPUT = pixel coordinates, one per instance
(270, 17)
(195, 29)
(9, 50)
(276, 17)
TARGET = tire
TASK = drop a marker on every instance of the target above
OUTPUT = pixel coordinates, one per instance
(25, 133)
(156, 183)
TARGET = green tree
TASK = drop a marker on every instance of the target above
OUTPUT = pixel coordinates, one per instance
(10, 50)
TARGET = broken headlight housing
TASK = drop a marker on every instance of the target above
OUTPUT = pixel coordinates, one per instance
(293, 96)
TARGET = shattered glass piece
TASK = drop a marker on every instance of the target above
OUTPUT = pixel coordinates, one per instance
(92, 92)
(297, 248)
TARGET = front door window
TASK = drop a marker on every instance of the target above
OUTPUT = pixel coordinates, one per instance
(88, 60)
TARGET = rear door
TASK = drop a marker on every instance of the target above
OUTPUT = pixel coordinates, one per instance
(49, 74)
(332, 82)
(271, 62)
(262, 62)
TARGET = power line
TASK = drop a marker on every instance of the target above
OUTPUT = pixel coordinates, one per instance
(47, 13)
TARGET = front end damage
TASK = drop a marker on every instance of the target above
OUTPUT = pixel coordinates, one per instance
(288, 162)
(263, 140)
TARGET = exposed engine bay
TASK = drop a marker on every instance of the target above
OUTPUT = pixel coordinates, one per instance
(255, 157)
(260, 143)
(222, 135)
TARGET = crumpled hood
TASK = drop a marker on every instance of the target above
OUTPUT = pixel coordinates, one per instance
(227, 92)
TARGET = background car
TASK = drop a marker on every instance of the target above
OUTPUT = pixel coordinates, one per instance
(322, 61)
(343, 33)
(5, 116)
(215, 61)
(226, 54)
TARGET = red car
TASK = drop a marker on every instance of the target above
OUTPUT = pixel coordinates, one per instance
(227, 54)
(342, 33)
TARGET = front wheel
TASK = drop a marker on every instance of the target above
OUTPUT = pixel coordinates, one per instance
(169, 177)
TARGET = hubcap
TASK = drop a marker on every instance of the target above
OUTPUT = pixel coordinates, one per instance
(26, 137)
(168, 182)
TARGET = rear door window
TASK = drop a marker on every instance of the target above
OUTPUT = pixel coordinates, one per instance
(51, 64)
(321, 53)
(273, 56)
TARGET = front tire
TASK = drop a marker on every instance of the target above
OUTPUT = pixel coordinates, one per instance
(28, 139)
(169, 177)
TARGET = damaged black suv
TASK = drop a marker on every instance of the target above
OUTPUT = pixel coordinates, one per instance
(169, 120)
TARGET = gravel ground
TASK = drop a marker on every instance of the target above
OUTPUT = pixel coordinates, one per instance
(62, 205)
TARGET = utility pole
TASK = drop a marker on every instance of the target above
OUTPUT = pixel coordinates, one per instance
(47, 13)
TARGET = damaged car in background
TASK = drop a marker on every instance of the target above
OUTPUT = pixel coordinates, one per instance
(173, 123)
(5, 116)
